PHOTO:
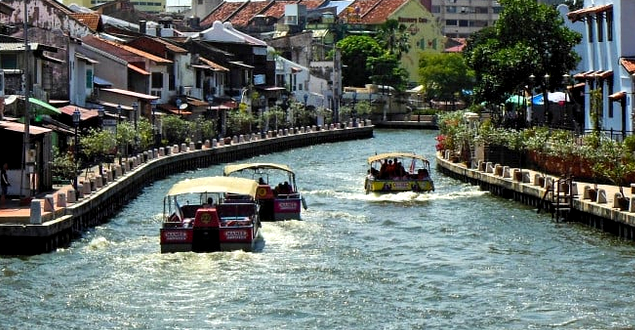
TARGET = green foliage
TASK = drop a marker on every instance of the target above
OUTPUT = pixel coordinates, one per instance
(240, 121)
(97, 142)
(175, 129)
(393, 36)
(444, 75)
(363, 109)
(613, 161)
(529, 38)
(62, 165)
(274, 118)
(597, 109)
(355, 52)
(387, 71)
(629, 143)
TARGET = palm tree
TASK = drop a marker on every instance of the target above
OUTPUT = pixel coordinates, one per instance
(393, 36)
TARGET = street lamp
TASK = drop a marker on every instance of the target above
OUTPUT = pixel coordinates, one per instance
(76, 117)
(353, 112)
(100, 111)
(154, 133)
(530, 110)
(546, 100)
(262, 109)
(117, 131)
(135, 109)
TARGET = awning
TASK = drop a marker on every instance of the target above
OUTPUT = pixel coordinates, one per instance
(617, 96)
(19, 127)
(101, 82)
(43, 105)
(578, 85)
(241, 64)
(138, 70)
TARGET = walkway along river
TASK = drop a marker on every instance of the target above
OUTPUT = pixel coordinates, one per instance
(598, 206)
(34, 235)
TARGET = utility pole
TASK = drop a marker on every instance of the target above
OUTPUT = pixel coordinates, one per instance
(26, 143)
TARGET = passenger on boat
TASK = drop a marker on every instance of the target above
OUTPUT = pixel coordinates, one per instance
(422, 174)
(261, 181)
(210, 202)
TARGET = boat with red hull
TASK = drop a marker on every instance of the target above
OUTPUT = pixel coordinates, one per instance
(277, 194)
(223, 216)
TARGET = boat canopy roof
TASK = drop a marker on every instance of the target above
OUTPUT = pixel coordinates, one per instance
(215, 184)
(391, 155)
(229, 169)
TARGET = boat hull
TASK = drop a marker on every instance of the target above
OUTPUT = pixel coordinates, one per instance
(208, 239)
(391, 186)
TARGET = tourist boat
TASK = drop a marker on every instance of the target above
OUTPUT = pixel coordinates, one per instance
(210, 214)
(277, 194)
(411, 173)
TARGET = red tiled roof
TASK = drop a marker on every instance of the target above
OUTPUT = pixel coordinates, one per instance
(85, 113)
(276, 9)
(222, 13)
(379, 10)
(628, 64)
(240, 14)
(247, 12)
(127, 53)
(576, 15)
(92, 20)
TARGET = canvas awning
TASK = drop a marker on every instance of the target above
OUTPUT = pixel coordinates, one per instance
(617, 96)
(43, 105)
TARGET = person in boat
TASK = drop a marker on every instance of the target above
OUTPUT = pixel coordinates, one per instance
(210, 202)
(261, 181)
(422, 174)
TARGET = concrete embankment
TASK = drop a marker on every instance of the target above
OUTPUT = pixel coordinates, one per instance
(599, 206)
(100, 201)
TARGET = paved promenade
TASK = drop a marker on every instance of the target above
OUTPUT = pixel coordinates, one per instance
(593, 212)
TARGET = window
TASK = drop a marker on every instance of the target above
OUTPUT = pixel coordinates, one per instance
(609, 25)
(481, 10)
(497, 10)
(463, 22)
(450, 9)
(589, 25)
(157, 80)
(600, 22)
(89, 78)
(435, 10)
(199, 78)
(9, 61)
(450, 22)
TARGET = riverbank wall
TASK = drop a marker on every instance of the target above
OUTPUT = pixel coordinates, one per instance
(604, 207)
(103, 197)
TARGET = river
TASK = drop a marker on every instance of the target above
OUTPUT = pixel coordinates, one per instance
(457, 258)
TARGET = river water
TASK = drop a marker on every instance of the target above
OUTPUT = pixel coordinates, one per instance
(457, 258)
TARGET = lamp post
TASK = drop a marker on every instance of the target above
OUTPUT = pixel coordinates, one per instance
(154, 128)
(76, 118)
(261, 114)
(117, 131)
(135, 109)
(546, 100)
(530, 110)
(100, 111)
(354, 112)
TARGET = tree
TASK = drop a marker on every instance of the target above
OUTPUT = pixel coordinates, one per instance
(529, 38)
(444, 75)
(387, 72)
(355, 52)
(393, 37)
(176, 130)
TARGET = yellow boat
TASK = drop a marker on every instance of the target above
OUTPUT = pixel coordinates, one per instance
(397, 172)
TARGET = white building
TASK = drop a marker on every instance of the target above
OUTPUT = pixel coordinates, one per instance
(608, 61)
